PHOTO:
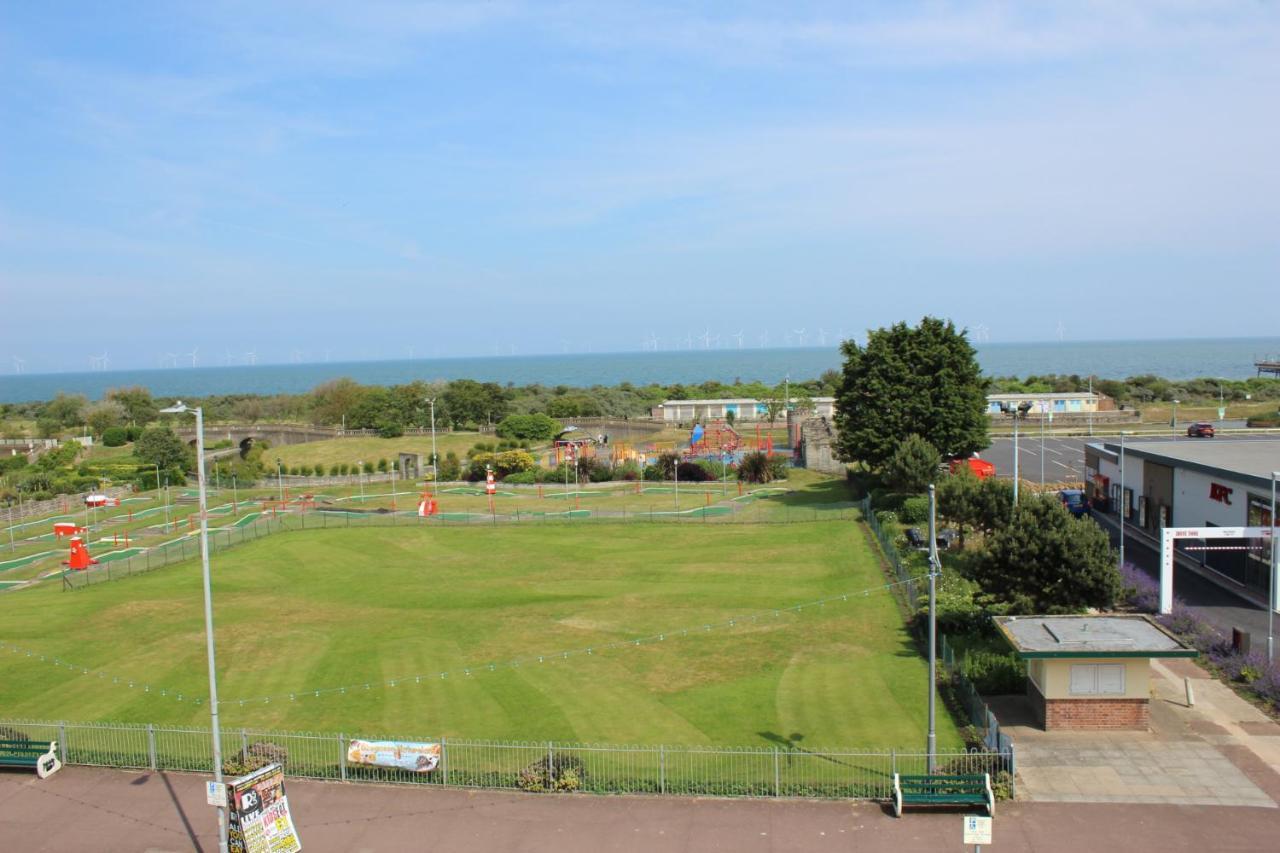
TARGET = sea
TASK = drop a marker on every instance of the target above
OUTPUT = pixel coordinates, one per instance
(1226, 358)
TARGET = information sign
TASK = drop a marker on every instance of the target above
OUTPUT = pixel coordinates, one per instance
(977, 829)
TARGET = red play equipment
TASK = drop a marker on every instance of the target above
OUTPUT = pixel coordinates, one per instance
(80, 559)
(717, 439)
(427, 506)
(68, 528)
(100, 500)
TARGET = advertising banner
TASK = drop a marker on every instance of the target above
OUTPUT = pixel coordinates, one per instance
(414, 757)
(259, 814)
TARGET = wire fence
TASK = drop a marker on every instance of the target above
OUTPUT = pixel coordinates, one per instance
(777, 771)
(124, 564)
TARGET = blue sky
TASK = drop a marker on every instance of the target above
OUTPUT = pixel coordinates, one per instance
(370, 179)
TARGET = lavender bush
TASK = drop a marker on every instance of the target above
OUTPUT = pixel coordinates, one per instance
(1261, 678)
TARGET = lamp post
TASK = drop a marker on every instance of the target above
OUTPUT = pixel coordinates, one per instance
(1044, 413)
(280, 478)
(1123, 508)
(1173, 421)
(360, 477)
(1273, 600)
(235, 496)
(181, 408)
(935, 564)
(435, 460)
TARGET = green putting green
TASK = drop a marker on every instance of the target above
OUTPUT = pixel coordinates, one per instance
(19, 562)
(246, 520)
(561, 496)
(122, 554)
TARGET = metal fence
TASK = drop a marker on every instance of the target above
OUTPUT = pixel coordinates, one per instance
(596, 768)
(220, 538)
(978, 712)
(900, 569)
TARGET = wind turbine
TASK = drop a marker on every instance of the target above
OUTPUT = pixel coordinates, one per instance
(250, 357)
(822, 337)
(739, 337)
(706, 339)
(799, 334)
(19, 364)
(981, 333)
(192, 355)
(688, 340)
(764, 339)
(653, 342)
(295, 356)
(1060, 332)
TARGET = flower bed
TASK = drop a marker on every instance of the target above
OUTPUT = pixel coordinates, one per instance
(1250, 673)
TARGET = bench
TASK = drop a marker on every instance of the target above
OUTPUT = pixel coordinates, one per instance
(969, 790)
(25, 753)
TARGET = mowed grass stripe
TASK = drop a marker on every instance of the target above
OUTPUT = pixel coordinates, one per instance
(318, 609)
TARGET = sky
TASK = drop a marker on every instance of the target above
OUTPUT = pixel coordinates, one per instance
(280, 181)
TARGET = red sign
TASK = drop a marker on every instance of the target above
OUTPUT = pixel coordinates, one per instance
(1220, 493)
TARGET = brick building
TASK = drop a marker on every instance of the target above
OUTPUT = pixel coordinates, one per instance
(1090, 672)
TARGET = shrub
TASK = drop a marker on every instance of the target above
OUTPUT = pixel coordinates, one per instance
(344, 469)
(383, 466)
(915, 510)
(255, 757)
(537, 426)
(553, 773)
(692, 472)
(132, 432)
(509, 462)
(388, 428)
(450, 467)
(994, 674)
(335, 469)
(115, 436)
(913, 465)
(526, 478)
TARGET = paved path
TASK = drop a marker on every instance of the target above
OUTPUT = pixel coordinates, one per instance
(1220, 751)
(84, 809)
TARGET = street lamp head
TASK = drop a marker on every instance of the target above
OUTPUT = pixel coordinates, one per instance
(178, 408)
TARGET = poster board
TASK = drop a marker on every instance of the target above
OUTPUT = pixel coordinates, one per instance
(414, 757)
(259, 819)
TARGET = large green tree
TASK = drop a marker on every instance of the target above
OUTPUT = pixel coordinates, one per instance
(1047, 561)
(161, 446)
(920, 379)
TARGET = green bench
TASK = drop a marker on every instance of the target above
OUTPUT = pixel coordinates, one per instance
(970, 790)
(25, 753)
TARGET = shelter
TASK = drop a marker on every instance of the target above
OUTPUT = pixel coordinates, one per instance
(1090, 672)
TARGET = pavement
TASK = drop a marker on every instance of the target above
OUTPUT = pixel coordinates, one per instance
(1218, 751)
(104, 811)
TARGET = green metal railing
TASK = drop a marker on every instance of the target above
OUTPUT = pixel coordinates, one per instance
(776, 771)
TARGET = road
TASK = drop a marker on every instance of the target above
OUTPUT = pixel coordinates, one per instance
(1064, 456)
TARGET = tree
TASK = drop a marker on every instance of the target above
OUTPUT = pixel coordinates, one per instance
(139, 407)
(994, 504)
(64, 410)
(103, 416)
(332, 401)
(773, 406)
(913, 465)
(1046, 561)
(161, 446)
(469, 402)
(759, 467)
(923, 379)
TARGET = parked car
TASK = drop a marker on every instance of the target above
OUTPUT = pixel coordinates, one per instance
(1075, 502)
(1200, 429)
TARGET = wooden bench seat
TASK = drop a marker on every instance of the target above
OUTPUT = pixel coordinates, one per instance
(25, 753)
(936, 790)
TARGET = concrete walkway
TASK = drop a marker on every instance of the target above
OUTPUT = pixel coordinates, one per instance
(1221, 752)
(104, 811)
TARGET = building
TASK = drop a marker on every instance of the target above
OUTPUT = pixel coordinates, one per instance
(743, 409)
(1195, 482)
(1052, 403)
(1090, 672)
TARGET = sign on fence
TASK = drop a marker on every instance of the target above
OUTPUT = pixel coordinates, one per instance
(260, 820)
(414, 757)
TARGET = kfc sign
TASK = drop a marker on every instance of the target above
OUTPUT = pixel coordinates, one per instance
(1220, 493)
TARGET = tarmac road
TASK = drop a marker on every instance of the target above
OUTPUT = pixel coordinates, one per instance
(1064, 457)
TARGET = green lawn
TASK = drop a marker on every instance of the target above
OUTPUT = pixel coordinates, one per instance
(323, 608)
(370, 448)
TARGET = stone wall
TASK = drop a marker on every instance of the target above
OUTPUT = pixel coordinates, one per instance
(817, 435)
